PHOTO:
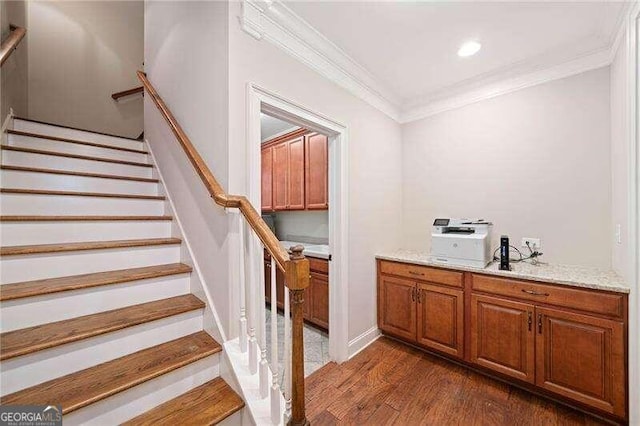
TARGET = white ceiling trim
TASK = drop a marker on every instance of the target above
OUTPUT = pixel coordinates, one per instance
(274, 22)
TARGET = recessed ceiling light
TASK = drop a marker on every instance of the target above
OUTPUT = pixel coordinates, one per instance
(469, 48)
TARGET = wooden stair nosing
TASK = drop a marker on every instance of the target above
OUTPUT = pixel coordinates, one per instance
(73, 173)
(85, 245)
(88, 218)
(33, 339)
(75, 128)
(74, 141)
(25, 289)
(79, 389)
(79, 193)
(208, 404)
(74, 156)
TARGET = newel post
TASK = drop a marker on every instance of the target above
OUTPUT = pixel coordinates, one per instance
(297, 278)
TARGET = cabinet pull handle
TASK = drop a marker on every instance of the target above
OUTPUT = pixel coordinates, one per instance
(539, 323)
(413, 294)
(420, 274)
(529, 320)
(418, 296)
(534, 293)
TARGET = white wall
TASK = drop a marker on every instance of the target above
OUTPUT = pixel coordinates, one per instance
(314, 224)
(620, 69)
(534, 162)
(185, 59)
(374, 155)
(79, 54)
(13, 74)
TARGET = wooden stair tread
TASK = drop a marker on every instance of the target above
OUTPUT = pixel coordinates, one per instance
(79, 389)
(79, 193)
(28, 340)
(75, 156)
(64, 218)
(75, 128)
(74, 173)
(24, 289)
(74, 141)
(207, 404)
(85, 245)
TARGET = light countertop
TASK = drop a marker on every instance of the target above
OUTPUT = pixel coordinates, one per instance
(578, 276)
(320, 251)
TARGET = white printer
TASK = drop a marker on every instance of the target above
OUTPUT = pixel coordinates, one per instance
(461, 242)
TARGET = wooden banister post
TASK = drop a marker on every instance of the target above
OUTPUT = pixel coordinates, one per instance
(297, 279)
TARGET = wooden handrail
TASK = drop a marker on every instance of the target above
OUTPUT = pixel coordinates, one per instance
(294, 265)
(129, 92)
(10, 44)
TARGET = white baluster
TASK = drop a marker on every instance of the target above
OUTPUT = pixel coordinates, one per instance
(243, 283)
(264, 364)
(275, 390)
(251, 305)
(287, 358)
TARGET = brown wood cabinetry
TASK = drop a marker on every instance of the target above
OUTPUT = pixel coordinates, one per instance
(554, 339)
(316, 297)
(295, 172)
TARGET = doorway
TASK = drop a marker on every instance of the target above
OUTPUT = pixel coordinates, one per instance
(261, 103)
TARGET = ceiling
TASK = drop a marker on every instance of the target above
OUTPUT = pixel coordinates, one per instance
(271, 126)
(410, 48)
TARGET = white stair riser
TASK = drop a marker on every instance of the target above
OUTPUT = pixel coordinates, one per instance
(139, 399)
(62, 132)
(28, 370)
(28, 312)
(51, 265)
(54, 182)
(28, 204)
(73, 148)
(27, 233)
(15, 158)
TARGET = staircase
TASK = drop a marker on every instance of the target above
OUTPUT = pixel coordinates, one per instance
(97, 314)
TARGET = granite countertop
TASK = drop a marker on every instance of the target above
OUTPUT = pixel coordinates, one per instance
(578, 276)
(320, 251)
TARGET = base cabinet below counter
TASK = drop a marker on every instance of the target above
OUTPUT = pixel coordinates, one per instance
(316, 297)
(556, 340)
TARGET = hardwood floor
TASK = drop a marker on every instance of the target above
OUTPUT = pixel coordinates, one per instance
(392, 384)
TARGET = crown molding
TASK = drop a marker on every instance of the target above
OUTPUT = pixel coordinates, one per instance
(273, 21)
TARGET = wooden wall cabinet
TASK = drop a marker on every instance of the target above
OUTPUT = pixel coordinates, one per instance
(295, 172)
(563, 341)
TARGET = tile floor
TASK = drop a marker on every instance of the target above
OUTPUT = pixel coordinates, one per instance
(316, 345)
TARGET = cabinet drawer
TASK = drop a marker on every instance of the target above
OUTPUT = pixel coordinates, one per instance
(422, 273)
(318, 265)
(584, 300)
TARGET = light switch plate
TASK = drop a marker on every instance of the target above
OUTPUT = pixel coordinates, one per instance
(534, 243)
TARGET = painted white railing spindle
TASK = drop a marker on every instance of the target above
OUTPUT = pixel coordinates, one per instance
(275, 389)
(243, 283)
(262, 314)
(251, 305)
(287, 358)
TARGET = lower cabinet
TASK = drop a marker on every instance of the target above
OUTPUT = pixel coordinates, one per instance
(503, 336)
(575, 350)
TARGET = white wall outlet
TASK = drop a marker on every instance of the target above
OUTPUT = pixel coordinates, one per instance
(618, 233)
(534, 243)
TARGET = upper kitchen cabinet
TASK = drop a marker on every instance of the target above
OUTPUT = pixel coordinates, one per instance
(316, 172)
(295, 172)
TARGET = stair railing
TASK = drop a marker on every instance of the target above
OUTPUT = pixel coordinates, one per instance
(11, 42)
(116, 96)
(296, 271)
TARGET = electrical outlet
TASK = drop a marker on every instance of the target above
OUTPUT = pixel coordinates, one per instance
(534, 243)
(618, 234)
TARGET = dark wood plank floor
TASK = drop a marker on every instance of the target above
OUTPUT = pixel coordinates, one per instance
(392, 384)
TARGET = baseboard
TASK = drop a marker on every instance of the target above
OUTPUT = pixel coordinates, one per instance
(362, 341)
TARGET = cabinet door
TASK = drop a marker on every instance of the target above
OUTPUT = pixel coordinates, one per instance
(280, 176)
(295, 193)
(581, 357)
(319, 289)
(267, 180)
(316, 172)
(397, 307)
(503, 336)
(441, 318)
